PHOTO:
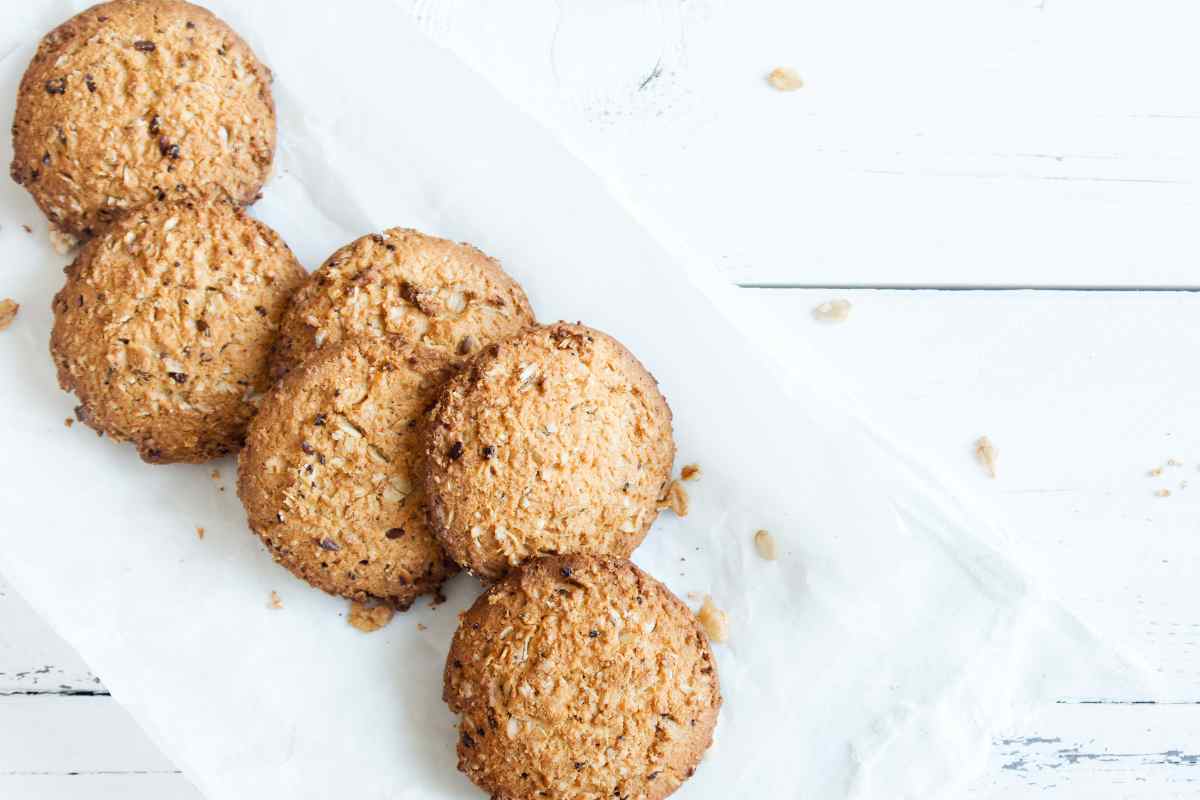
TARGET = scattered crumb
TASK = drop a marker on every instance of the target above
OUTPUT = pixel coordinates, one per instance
(1154, 473)
(764, 543)
(832, 311)
(1163, 493)
(8, 312)
(370, 619)
(62, 242)
(68, 422)
(676, 499)
(785, 79)
(221, 489)
(275, 601)
(690, 472)
(199, 532)
(216, 474)
(422, 627)
(986, 452)
(1183, 484)
(1174, 463)
(714, 620)
(27, 229)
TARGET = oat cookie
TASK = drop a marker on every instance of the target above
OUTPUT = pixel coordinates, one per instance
(579, 676)
(137, 100)
(329, 476)
(552, 442)
(442, 294)
(165, 323)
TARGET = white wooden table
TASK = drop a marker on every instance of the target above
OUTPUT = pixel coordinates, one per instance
(1042, 152)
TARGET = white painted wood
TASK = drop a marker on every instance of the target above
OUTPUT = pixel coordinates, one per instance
(32, 657)
(1000, 142)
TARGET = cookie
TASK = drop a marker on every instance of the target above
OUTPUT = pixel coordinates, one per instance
(137, 100)
(329, 475)
(165, 324)
(442, 294)
(579, 676)
(554, 441)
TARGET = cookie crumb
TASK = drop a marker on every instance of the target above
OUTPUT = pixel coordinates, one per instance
(276, 602)
(216, 475)
(986, 452)
(8, 312)
(68, 422)
(1163, 493)
(714, 621)
(199, 532)
(690, 472)
(62, 242)
(422, 626)
(832, 311)
(676, 499)
(27, 229)
(369, 619)
(785, 79)
(764, 543)
(1154, 473)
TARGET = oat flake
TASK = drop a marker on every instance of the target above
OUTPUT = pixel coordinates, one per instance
(986, 452)
(785, 79)
(832, 311)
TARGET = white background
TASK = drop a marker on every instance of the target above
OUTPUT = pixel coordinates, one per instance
(969, 144)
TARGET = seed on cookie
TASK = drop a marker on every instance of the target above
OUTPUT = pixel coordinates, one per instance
(431, 291)
(125, 341)
(576, 465)
(329, 474)
(102, 110)
(581, 676)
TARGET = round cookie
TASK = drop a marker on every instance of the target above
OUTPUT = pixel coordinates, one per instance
(446, 295)
(136, 100)
(165, 324)
(579, 676)
(329, 475)
(552, 442)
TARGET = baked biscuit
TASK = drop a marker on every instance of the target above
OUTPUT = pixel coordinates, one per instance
(554, 441)
(329, 475)
(579, 676)
(165, 324)
(137, 100)
(442, 294)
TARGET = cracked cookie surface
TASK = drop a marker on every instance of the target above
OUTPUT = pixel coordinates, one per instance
(551, 442)
(165, 324)
(579, 676)
(435, 292)
(330, 473)
(139, 100)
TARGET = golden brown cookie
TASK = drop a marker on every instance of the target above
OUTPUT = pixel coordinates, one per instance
(554, 441)
(165, 324)
(579, 676)
(330, 473)
(442, 294)
(136, 100)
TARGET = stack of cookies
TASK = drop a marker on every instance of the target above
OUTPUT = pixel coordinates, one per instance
(399, 412)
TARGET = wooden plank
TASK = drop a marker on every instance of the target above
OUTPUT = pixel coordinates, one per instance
(1132, 752)
(995, 143)
(33, 659)
(98, 786)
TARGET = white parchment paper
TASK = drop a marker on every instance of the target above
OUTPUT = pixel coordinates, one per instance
(874, 659)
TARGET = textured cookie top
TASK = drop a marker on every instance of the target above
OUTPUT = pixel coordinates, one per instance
(554, 441)
(581, 677)
(136, 100)
(442, 294)
(165, 324)
(329, 476)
